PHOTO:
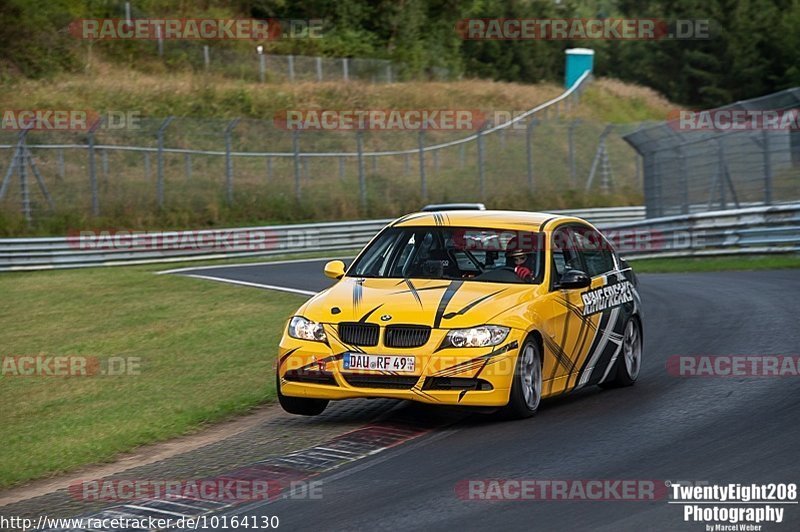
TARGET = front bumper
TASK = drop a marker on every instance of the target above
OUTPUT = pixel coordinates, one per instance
(450, 376)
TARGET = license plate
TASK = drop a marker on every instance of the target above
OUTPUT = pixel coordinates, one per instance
(378, 362)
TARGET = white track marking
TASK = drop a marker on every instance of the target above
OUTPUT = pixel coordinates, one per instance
(253, 285)
(266, 263)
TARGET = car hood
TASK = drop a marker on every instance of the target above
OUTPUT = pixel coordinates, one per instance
(436, 303)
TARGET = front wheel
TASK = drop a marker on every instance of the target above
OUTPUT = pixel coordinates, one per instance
(629, 361)
(526, 389)
(300, 406)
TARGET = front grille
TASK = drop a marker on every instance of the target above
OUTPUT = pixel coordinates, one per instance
(406, 335)
(310, 376)
(393, 382)
(356, 333)
(456, 383)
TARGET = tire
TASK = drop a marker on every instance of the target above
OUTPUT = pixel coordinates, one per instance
(629, 361)
(526, 390)
(300, 406)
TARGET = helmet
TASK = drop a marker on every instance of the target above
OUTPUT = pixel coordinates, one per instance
(515, 252)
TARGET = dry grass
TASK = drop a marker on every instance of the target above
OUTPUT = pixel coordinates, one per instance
(189, 94)
(630, 91)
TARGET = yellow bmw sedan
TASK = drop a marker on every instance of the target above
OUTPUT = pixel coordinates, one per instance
(475, 308)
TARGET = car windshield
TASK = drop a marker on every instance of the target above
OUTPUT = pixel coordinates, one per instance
(466, 253)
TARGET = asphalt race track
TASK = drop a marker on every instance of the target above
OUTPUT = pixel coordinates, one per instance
(707, 429)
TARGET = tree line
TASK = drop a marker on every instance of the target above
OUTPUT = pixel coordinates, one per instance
(752, 48)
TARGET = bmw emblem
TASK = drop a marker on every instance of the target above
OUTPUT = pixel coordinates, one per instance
(386, 317)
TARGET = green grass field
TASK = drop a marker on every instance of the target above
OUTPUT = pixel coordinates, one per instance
(206, 352)
(713, 264)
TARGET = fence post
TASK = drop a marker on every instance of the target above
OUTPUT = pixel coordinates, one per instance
(296, 151)
(187, 159)
(23, 177)
(600, 160)
(345, 69)
(262, 67)
(206, 57)
(767, 171)
(229, 161)
(160, 160)
(423, 180)
(291, 67)
(529, 151)
(571, 137)
(7, 178)
(362, 182)
(721, 172)
(319, 68)
(92, 169)
(160, 41)
(60, 155)
(341, 167)
(481, 179)
(684, 180)
(461, 155)
(104, 165)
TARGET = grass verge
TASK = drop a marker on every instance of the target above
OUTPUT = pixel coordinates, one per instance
(713, 264)
(205, 352)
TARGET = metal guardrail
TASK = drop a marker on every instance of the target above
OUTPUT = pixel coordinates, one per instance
(753, 230)
(774, 229)
(19, 254)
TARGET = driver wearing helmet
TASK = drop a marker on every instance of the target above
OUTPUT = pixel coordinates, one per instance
(516, 258)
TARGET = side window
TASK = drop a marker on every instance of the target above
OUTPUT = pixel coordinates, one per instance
(565, 256)
(595, 250)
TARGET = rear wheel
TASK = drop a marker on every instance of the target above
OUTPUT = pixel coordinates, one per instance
(300, 406)
(629, 361)
(526, 389)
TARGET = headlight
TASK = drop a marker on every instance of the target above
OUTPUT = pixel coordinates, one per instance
(483, 336)
(304, 329)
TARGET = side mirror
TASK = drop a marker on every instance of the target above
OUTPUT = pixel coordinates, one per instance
(574, 279)
(334, 269)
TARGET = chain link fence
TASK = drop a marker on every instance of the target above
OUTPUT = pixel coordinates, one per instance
(252, 170)
(689, 168)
